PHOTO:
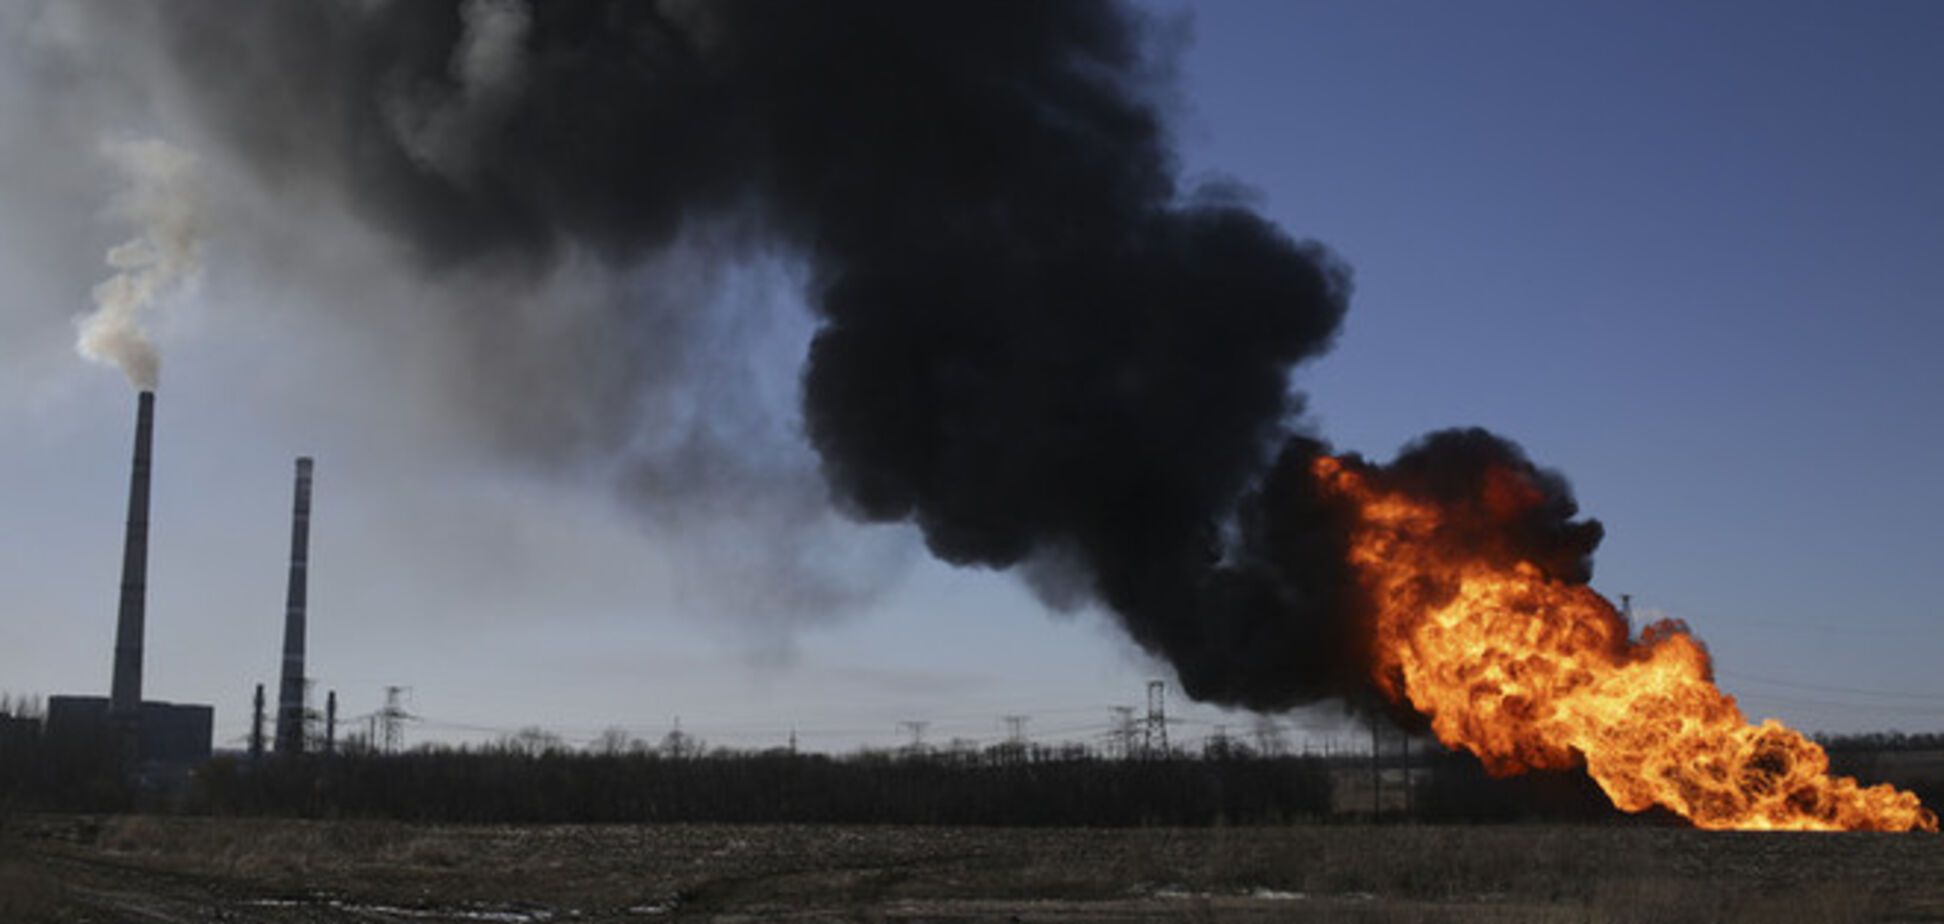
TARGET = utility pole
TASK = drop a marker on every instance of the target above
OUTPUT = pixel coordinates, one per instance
(793, 742)
(330, 723)
(1157, 719)
(256, 729)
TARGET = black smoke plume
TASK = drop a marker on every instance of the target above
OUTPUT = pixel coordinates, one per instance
(1034, 341)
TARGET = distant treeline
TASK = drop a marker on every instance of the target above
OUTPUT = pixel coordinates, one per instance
(39, 773)
(1882, 741)
(499, 785)
(528, 780)
(775, 787)
(1009, 787)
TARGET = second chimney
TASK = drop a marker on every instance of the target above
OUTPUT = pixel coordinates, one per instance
(290, 693)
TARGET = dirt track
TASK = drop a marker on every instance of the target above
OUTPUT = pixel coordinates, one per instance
(169, 870)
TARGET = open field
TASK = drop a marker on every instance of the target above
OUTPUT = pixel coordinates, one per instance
(166, 869)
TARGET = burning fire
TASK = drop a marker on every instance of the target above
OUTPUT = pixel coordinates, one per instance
(1529, 672)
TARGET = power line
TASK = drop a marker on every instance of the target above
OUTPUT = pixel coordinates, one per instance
(1866, 708)
(1817, 688)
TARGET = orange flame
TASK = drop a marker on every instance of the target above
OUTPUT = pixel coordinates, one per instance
(1528, 672)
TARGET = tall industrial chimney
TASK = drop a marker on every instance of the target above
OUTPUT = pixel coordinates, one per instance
(290, 695)
(125, 692)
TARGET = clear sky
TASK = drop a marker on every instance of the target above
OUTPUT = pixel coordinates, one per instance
(1688, 254)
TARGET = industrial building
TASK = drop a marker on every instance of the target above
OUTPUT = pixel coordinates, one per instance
(154, 740)
(166, 733)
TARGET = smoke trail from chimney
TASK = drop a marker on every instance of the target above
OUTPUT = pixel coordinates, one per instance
(164, 201)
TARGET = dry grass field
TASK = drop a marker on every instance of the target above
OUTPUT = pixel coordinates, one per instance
(164, 869)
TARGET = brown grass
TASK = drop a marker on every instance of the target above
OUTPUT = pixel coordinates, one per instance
(1544, 875)
(27, 893)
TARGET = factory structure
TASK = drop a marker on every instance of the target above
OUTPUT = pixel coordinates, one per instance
(157, 742)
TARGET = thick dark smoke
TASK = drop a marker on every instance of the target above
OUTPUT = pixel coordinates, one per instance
(1497, 501)
(1034, 342)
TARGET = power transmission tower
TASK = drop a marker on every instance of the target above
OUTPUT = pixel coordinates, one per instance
(1156, 742)
(307, 719)
(1014, 748)
(1123, 732)
(917, 730)
(1218, 743)
(391, 720)
(1016, 728)
(256, 728)
(1269, 737)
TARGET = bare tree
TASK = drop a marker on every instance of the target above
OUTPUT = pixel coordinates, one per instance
(532, 741)
(614, 741)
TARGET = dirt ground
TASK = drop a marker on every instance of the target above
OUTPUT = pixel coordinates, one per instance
(168, 870)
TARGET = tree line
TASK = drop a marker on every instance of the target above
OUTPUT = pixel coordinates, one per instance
(532, 777)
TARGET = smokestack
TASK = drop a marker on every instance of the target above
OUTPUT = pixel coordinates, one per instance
(290, 696)
(125, 693)
(256, 728)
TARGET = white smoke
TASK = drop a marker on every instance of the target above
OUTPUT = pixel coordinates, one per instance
(164, 201)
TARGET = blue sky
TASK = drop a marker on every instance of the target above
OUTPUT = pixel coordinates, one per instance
(1687, 255)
